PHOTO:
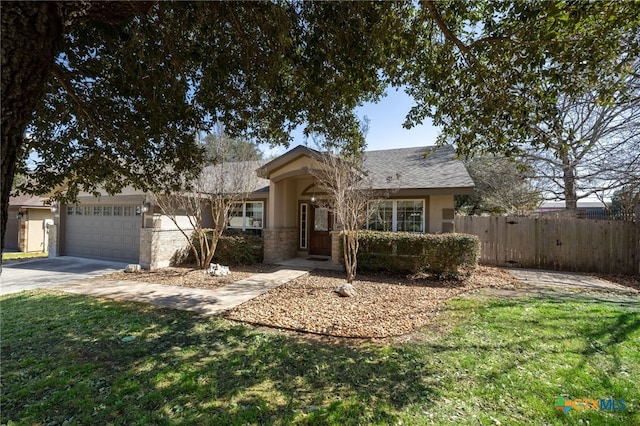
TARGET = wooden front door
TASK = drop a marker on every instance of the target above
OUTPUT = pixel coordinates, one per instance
(321, 226)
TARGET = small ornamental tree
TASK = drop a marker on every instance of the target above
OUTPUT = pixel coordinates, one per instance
(220, 185)
(350, 196)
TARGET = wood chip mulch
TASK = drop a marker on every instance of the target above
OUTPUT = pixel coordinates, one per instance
(383, 307)
(191, 276)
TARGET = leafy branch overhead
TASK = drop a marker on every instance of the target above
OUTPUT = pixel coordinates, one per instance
(488, 71)
(115, 94)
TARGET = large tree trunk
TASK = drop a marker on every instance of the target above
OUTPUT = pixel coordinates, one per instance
(32, 34)
(31, 37)
(569, 179)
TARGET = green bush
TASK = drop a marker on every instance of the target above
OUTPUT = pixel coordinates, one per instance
(445, 255)
(235, 250)
(232, 250)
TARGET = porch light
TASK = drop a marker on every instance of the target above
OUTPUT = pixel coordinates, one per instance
(54, 208)
(20, 214)
(145, 208)
(313, 198)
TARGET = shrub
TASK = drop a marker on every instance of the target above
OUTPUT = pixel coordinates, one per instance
(445, 255)
(239, 250)
(232, 250)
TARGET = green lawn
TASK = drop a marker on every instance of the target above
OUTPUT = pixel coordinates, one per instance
(76, 360)
(23, 255)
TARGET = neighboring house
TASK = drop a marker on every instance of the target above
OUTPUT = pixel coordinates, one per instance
(27, 224)
(587, 209)
(421, 182)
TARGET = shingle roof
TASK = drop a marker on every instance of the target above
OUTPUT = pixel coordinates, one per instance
(31, 201)
(428, 167)
(239, 174)
(422, 167)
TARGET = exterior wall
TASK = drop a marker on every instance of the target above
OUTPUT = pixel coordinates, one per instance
(159, 247)
(11, 234)
(436, 221)
(336, 253)
(53, 246)
(282, 205)
(279, 244)
(36, 235)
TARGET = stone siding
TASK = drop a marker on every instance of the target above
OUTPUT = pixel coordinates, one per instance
(159, 248)
(336, 252)
(280, 244)
(52, 243)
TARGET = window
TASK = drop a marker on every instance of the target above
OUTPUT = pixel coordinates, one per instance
(97, 210)
(381, 216)
(70, 210)
(87, 210)
(303, 225)
(117, 210)
(253, 213)
(410, 216)
(129, 210)
(397, 215)
(249, 215)
(106, 210)
(321, 219)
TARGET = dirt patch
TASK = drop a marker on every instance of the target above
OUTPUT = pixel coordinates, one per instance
(384, 306)
(192, 277)
(631, 281)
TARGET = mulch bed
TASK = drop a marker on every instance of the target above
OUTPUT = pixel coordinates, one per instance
(383, 307)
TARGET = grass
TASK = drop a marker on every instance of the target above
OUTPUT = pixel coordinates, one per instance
(23, 255)
(76, 360)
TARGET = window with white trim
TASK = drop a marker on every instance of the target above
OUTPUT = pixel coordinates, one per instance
(249, 215)
(396, 215)
(303, 225)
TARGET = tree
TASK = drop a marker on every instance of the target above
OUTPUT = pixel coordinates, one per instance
(625, 203)
(115, 93)
(201, 209)
(489, 71)
(350, 195)
(502, 185)
(592, 143)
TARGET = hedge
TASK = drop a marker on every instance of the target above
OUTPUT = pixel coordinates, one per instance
(234, 250)
(239, 250)
(445, 255)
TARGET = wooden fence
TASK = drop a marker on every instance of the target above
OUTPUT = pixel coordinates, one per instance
(567, 244)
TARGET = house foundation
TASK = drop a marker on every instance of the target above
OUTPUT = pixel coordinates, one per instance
(279, 244)
(160, 248)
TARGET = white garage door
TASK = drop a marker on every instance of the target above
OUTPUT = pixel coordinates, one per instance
(99, 231)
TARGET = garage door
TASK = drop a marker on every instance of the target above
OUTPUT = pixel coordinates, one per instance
(109, 232)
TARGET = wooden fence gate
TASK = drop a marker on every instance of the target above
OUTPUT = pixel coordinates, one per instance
(563, 244)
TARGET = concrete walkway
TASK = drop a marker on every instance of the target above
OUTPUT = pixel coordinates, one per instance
(569, 281)
(207, 302)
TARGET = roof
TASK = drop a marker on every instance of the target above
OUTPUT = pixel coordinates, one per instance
(239, 175)
(28, 201)
(417, 168)
(286, 158)
(429, 167)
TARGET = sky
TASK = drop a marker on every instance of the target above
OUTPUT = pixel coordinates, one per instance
(385, 127)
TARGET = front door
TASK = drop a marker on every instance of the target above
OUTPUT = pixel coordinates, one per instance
(321, 225)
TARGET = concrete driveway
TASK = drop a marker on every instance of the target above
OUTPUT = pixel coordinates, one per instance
(41, 273)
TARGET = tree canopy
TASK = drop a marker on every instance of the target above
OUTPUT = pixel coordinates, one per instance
(114, 93)
(486, 71)
(502, 185)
